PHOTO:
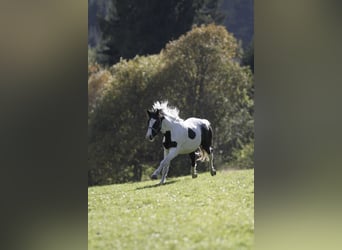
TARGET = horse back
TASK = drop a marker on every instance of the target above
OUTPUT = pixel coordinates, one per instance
(197, 123)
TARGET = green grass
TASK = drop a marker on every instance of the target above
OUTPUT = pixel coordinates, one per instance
(204, 213)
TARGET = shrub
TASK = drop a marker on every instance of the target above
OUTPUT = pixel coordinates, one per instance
(97, 81)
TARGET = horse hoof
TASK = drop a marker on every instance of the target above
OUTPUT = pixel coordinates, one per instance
(194, 176)
(213, 172)
(154, 177)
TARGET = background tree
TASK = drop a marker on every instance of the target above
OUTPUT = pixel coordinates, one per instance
(208, 12)
(117, 126)
(239, 19)
(144, 27)
(138, 27)
(248, 57)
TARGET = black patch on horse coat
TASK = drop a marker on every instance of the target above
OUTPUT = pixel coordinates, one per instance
(168, 143)
(206, 140)
(191, 133)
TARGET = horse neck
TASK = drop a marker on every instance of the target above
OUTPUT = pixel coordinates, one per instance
(168, 124)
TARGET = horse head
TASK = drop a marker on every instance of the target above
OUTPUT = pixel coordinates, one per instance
(155, 118)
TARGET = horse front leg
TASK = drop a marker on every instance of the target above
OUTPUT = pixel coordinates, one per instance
(155, 174)
(165, 170)
(164, 165)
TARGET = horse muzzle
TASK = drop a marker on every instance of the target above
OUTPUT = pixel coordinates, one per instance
(150, 138)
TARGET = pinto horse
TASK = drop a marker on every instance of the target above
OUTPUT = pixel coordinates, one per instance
(180, 137)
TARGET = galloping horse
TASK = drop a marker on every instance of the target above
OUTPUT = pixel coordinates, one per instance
(180, 137)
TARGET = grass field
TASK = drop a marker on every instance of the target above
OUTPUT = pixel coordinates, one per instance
(204, 213)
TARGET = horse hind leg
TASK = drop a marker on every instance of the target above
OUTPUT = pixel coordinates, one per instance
(207, 136)
(193, 165)
(211, 162)
(209, 151)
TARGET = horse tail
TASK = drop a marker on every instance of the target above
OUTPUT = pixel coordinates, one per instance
(202, 154)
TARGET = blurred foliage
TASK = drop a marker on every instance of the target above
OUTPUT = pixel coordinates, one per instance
(127, 28)
(243, 158)
(134, 27)
(199, 73)
(208, 12)
(117, 125)
(143, 27)
(97, 81)
(248, 56)
(239, 19)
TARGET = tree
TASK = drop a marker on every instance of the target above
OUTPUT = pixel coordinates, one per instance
(209, 12)
(117, 124)
(136, 27)
(239, 19)
(144, 27)
(248, 57)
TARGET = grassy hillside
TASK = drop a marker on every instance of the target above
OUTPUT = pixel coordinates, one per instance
(204, 213)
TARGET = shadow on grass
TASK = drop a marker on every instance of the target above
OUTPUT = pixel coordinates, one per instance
(157, 185)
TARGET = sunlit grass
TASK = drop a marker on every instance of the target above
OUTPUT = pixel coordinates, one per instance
(204, 213)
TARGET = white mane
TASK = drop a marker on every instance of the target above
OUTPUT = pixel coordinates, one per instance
(171, 112)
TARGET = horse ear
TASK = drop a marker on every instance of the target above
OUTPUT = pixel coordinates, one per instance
(160, 113)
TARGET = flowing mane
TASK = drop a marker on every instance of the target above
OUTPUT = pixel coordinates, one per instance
(171, 112)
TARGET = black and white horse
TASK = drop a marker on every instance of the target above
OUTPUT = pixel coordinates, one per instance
(180, 137)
